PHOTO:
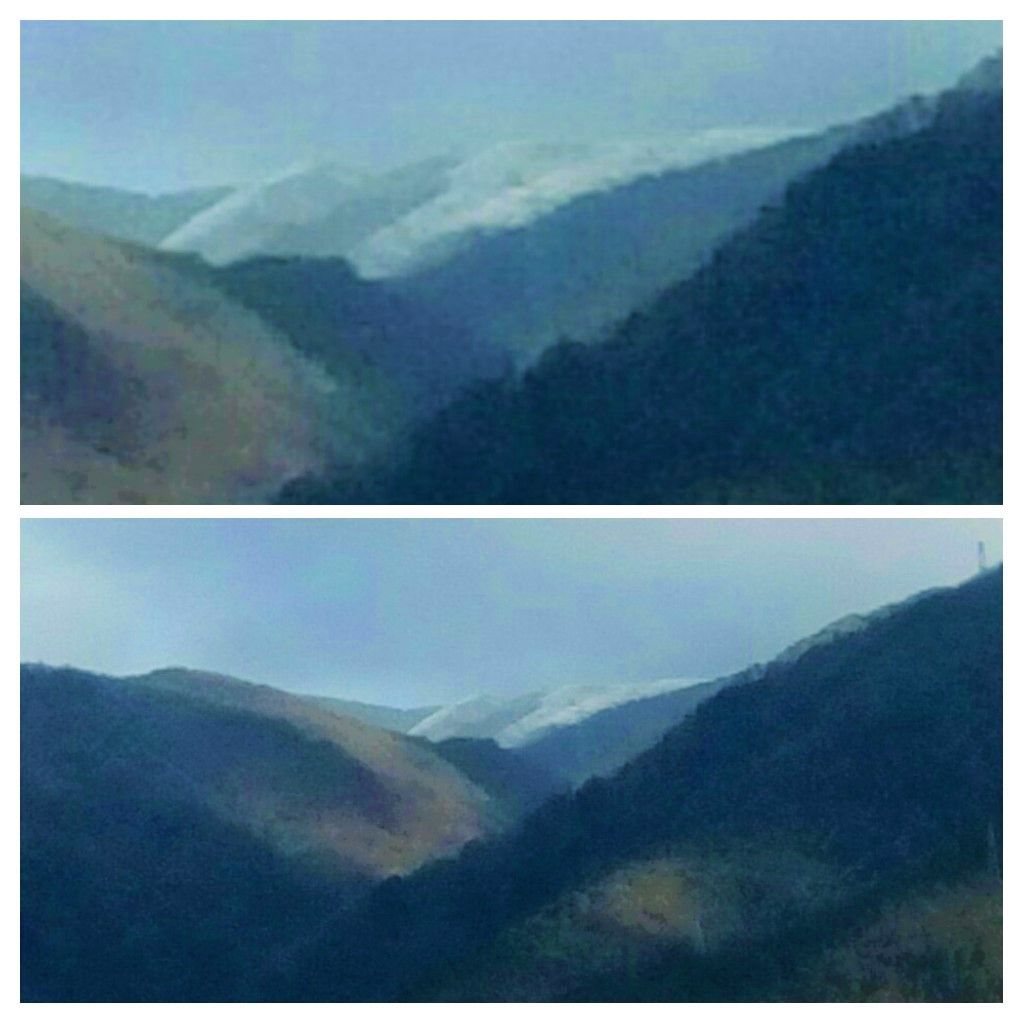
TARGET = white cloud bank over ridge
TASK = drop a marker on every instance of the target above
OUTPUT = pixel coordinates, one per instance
(504, 186)
(513, 183)
(516, 721)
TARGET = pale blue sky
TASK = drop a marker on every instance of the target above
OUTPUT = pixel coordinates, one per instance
(409, 612)
(164, 105)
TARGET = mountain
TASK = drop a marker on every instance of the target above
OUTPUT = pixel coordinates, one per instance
(516, 721)
(132, 886)
(576, 270)
(319, 210)
(604, 741)
(380, 803)
(180, 828)
(395, 719)
(847, 347)
(517, 782)
(351, 326)
(121, 214)
(391, 223)
(475, 718)
(131, 363)
(514, 183)
(787, 820)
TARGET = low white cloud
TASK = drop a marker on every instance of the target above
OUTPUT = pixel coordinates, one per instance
(511, 184)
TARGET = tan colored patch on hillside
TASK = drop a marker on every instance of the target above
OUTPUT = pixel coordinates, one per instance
(655, 900)
(436, 810)
(691, 900)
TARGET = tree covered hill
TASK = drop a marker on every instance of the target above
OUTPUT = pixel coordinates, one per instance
(845, 348)
(180, 829)
(605, 741)
(778, 819)
(336, 318)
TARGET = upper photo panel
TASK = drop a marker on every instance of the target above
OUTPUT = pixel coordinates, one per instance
(511, 262)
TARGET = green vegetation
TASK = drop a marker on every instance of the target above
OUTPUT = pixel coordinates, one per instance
(827, 828)
(845, 348)
(868, 770)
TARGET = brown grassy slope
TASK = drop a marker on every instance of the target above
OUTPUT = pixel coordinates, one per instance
(141, 383)
(423, 807)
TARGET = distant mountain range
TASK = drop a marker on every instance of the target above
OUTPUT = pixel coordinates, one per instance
(117, 213)
(403, 220)
(516, 721)
(577, 732)
(395, 719)
(318, 210)
(574, 271)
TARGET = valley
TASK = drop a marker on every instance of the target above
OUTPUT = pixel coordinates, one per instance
(732, 316)
(652, 848)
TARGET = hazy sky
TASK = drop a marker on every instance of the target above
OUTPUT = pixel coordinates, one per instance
(163, 105)
(408, 612)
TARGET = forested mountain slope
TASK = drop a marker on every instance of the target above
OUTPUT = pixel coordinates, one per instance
(350, 326)
(577, 270)
(780, 818)
(604, 742)
(179, 828)
(845, 348)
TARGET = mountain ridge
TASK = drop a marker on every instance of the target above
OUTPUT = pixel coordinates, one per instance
(777, 810)
(797, 365)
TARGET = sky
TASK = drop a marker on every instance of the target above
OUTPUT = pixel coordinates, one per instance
(411, 612)
(158, 106)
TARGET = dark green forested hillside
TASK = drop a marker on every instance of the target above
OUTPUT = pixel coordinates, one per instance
(333, 316)
(519, 781)
(603, 742)
(180, 829)
(785, 818)
(133, 886)
(846, 348)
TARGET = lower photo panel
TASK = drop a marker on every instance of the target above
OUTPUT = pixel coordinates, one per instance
(491, 760)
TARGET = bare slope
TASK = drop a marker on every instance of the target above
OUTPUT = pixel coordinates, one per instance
(142, 383)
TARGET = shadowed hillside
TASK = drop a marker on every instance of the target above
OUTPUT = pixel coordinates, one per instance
(846, 348)
(179, 829)
(342, 322)
(773, 826)
(604, 742)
